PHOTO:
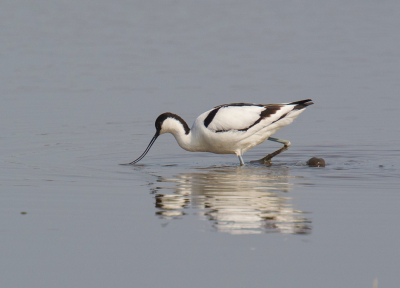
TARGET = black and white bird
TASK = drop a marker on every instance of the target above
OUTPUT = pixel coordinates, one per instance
(230, 128)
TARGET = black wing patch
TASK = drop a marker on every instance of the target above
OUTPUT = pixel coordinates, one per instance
(283, 116)
(270, 110)
(299, 105)
(211, 116)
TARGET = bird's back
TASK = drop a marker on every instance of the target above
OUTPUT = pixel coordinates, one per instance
(229, 127)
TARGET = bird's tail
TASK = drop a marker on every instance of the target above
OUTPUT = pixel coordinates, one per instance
(301, 104)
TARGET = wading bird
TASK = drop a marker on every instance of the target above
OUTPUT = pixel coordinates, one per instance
(230, 128)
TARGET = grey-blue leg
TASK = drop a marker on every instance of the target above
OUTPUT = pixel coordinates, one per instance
(284, 142)
(241, 160)
(267, 159)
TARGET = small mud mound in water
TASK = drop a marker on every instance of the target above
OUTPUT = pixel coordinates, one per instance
(316, 162)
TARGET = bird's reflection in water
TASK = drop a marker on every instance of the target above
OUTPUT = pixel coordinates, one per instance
(237, 200)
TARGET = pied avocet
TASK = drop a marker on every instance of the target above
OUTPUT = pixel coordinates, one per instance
(230, 128)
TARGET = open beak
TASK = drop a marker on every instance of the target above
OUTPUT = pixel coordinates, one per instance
(145, 151)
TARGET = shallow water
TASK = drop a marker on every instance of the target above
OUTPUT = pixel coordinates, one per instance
(81, 86)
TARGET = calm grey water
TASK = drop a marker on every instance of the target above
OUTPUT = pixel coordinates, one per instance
(81, 84)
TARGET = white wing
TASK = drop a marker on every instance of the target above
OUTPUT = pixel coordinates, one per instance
(234, 117)
(254, 117)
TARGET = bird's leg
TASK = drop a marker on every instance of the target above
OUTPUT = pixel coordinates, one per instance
(241, 160)
(267, 159)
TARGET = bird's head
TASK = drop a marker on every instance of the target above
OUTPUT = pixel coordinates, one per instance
(165, 123)
(169, 123)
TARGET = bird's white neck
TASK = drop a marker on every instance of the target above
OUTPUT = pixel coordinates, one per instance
(183, 136)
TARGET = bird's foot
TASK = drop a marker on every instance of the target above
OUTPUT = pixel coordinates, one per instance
(265, 161)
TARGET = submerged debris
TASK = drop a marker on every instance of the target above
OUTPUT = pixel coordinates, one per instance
(316, 162)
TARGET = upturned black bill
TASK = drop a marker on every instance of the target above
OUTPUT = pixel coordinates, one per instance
(145, 151)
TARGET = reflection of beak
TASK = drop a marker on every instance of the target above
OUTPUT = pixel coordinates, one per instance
(147, 149)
